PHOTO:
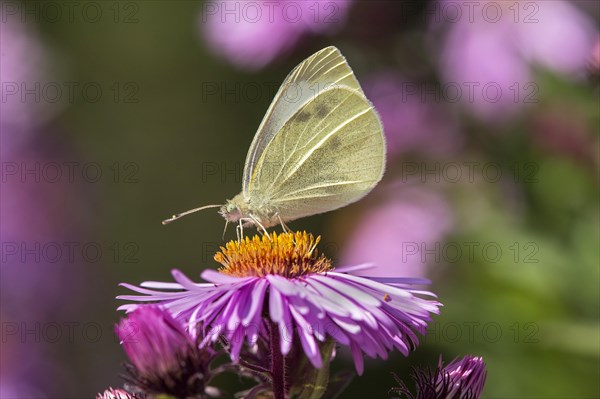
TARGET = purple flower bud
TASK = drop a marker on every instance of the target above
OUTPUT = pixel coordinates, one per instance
(152, 340)
(164, 357)
(115, 394)
(460, 379)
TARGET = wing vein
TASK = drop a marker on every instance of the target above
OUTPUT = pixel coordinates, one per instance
(315, 186)
(297, 143)
(324, 139)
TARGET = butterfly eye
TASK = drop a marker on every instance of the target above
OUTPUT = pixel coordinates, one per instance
(232, 208)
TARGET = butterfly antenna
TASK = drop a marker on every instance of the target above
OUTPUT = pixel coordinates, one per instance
(180, 215)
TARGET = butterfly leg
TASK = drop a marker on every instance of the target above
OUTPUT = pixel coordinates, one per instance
(283, 225)
(240, 231)
(257, 223)
(224, 230)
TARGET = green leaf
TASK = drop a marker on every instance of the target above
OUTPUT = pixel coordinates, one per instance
(309, 382)
(338, 383)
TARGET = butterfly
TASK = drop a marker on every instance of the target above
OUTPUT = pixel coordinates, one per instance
(319, 147)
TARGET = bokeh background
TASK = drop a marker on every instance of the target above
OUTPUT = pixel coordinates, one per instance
(116, 114)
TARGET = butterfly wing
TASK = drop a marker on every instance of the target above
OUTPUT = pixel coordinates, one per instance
(320, 146)
(328, 154)
(323, 70)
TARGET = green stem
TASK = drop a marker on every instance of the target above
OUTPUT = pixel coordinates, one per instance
(277, 363)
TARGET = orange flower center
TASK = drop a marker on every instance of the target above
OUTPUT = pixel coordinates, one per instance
(287, 254)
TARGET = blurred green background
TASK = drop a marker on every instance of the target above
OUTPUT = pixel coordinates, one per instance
(166, 142)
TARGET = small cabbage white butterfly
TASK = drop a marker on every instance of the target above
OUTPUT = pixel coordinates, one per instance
(319, 147)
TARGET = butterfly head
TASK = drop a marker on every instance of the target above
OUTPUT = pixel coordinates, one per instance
(232, 211)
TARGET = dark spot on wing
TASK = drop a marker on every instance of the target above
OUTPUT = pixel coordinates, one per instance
(322, 110)
(335, 142)
(304, 116)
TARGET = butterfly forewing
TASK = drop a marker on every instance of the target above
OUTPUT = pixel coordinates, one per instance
(323, 70)
(328, 154)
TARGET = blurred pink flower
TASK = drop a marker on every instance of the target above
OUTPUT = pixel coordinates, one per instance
(35, 215)
(7, 390)
(25, 78)
(413, 118)
(489, 48)
(594, 62)
(252, 34)
(37, 221)
(401, 236)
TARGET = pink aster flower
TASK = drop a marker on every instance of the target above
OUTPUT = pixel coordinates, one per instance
(280, 283)
(488, 51)
(252, 34)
